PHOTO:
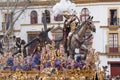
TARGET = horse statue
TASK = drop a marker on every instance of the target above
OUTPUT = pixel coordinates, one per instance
(77, 39)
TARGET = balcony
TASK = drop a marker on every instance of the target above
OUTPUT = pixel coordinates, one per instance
(113, 24)
(113, 51)
(113, 21)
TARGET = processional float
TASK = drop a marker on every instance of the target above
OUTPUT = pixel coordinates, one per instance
(89, 71)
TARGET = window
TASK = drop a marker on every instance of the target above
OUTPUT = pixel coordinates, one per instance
(84, 14)
(58, 17)
(113, 42)
(113, 17)
(33, 16)
(47, 14)
(7, 21)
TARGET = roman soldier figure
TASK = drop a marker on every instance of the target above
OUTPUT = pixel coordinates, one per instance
(70, 25)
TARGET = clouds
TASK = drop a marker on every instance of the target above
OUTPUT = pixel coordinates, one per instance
(63, 5)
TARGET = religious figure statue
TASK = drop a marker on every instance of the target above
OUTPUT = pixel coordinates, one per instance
(70, 25)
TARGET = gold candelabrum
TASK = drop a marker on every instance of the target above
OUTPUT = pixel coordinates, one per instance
(86, 73)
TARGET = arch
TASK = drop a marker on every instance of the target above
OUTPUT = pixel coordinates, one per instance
(33, 17)
(84, 14)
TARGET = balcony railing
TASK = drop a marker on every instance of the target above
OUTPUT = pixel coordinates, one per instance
(113, 21)
(112, 49)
